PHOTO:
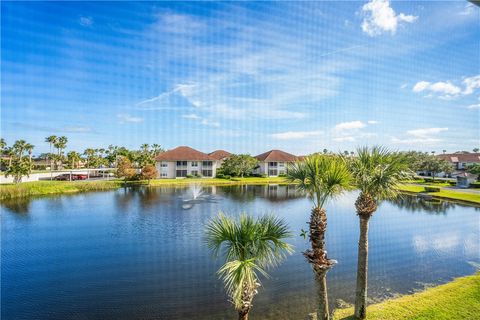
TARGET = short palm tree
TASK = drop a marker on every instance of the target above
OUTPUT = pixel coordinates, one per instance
(376, 173)
(250, 246)
(321, 177)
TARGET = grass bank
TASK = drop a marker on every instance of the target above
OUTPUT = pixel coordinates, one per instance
(443, 193)
(459, 299)
(37, 188)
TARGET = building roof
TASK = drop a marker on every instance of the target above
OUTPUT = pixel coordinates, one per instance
(461, 157)
(219, 154)
(276, 155)
(183, 153)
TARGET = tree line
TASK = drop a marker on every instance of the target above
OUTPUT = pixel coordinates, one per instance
(17, 159)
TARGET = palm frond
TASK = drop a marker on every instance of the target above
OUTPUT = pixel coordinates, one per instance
(250, 246)
(377, 171)
(321, 177)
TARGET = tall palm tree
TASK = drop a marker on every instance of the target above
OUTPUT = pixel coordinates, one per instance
(376, 173)
(51, 140)
(250, 246)
(29, 148)
(321, 177)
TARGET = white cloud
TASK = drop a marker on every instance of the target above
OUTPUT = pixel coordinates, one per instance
(474, 106)
(180, 24)
(446, 89)
(291, 135)
(77, 129)
(345, 139)
(349, 125)
(471, 84)
(427, 136)
(425, 132)
(191, 116)
(125, 117)
(86, 21)
(205, 122)
(372, 122)
(379, 17)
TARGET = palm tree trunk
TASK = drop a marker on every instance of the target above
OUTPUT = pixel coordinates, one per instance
(362, 270)
(243, 314)
(323, 312)
(317, 256)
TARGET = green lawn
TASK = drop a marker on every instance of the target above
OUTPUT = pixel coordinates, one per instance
(443, 193)
(26, 189)
(459, 299)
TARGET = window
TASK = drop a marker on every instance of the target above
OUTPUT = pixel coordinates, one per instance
(181, 173)
(272, 164)
(164, 175)
(207, 173)
(281, 164)
(207, 163)
(194, 164)
(181, 163)
(194, 172)
(272, 172)
(164, 165)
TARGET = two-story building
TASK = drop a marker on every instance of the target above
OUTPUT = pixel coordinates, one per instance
(460, 161)
(274, 163)
(183, 161)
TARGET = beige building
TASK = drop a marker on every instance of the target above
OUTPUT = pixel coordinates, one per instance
(274, 163)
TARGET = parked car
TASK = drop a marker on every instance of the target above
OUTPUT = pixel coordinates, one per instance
(63, 177)
(74, 177)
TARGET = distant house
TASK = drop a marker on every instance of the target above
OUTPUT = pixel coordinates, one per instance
(183, 161)
(220, 155)
(274, 162)
(460, 161)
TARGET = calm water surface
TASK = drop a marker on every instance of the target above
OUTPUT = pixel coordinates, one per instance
(139, 253)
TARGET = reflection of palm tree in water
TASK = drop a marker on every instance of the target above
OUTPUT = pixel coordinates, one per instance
(18, 206)
(415, 204)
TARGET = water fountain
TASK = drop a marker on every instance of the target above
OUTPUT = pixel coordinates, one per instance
(197, 196)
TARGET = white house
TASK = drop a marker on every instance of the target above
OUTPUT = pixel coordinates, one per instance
(274, 163)
(183, 161)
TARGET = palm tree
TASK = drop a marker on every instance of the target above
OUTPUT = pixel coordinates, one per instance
(29, 147)
(73, 159)
(321, 177)
(376, 173)
(51, 140)
(250, 246)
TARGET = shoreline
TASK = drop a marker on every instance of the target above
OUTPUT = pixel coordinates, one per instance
(457, 299)
(39, 188)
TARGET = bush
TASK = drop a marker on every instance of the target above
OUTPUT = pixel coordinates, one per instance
(190, 176)
(475, 185)
(432, 189)
(282, 175)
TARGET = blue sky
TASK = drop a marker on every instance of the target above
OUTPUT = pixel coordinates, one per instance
(242, 76)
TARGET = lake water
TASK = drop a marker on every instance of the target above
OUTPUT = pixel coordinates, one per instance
(139, 253)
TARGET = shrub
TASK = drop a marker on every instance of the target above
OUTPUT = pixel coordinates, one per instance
(190, 176)
(432, 189)
(475, 185)
(220, 176)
